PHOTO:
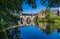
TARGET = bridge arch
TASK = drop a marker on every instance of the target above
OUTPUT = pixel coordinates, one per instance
(28, 20)
(21, 20)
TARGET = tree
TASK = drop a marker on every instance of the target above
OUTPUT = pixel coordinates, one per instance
(7, 6)
(50, 3)
(15, 4)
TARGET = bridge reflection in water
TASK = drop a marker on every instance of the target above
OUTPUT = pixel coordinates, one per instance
(41, 26)
(26, 22)
(15, 32)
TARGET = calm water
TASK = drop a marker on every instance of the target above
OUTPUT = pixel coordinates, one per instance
(32, 32)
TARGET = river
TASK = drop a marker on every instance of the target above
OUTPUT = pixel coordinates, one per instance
(40, 31)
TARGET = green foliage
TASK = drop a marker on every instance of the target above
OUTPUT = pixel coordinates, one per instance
(8, 20)
(15, 4)
(50, 3)
(50, 27)
(1, 35)
(50, 17)
(7, 6)
(53, 21)
(41, 20)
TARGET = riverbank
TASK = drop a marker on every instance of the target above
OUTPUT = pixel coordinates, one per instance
(55, 19)
(49, 17)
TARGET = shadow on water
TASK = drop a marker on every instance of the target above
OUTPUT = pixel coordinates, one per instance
(14, 33)
(47, 29)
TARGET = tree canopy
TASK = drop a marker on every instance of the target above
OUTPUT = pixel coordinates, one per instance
(15, 4)
(7, 6)
(10, 6)
(50, 3)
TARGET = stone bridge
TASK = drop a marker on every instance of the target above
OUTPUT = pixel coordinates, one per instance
(26, 19)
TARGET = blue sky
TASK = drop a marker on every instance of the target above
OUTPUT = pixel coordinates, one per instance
(29, 10)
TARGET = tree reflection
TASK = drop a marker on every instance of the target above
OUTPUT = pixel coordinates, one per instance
(51, 27)
(58, 30)
(14, 34)
(48, 27)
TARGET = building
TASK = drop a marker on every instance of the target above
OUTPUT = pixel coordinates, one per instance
(56, 12)
(41, 14)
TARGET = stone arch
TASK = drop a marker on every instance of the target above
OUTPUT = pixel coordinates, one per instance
(28, 20)
(21, 20)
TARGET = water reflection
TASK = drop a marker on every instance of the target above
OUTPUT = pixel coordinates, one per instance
(40, 31)
(14, 33)
(49, 28)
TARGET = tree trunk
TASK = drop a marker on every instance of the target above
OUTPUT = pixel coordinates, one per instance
(6, 37)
